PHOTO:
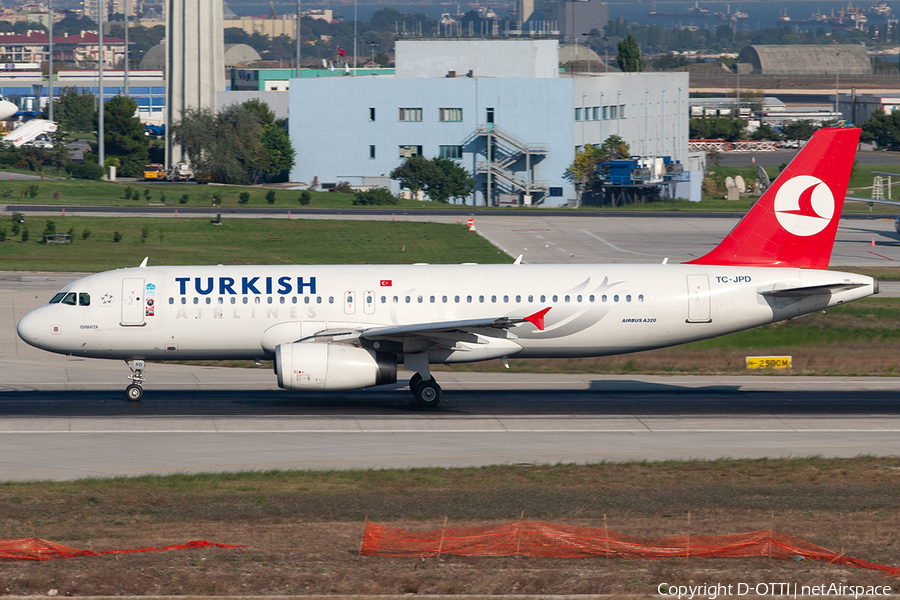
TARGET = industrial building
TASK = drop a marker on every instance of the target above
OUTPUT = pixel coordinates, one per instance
(834, 60)
(500, 107)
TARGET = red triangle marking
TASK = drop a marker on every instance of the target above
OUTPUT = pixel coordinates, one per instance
(538, 318)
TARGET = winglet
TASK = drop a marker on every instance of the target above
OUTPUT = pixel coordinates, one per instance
(538, 318)
(144, 262)
(518, 260)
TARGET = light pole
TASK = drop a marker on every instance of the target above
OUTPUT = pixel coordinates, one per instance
(606, 58)
(588, 36)
(101, 147)
(50, 72)
(373, 46)
(126, 48)
(298, 39)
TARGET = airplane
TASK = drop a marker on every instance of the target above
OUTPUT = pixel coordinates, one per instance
(7, 109)
(350, 326)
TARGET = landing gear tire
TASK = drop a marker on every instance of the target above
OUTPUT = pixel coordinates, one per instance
(414, 382)
(428, 393)
(134, 393)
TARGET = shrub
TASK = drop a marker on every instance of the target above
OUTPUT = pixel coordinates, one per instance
(184, 199)
(85, 170)
(25, 234)
(374, 197)
(146, 194)
(244, 197)
(49, 229)
(15, 228)
(128, 192)
(342, 188)
(85, 234)
(145, 233)
(117, 237)
(162, 197)
(305, 197)
(3, 234)
(216, 198)
(57, 194)
(270, 196)
(32, 190)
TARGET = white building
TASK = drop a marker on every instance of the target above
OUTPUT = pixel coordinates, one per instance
(500, 107)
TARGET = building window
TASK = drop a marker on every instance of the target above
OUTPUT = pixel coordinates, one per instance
(410, 151)
(577, 114)
(451, 152)
(605, 113)
(371, 151)
(621, 111)
(555, 192)
(410, 114)
(596, 110)
(449, 115)
(613, 110)
(371, 112)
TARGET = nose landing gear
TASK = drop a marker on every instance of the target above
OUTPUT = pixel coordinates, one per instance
(135, 392)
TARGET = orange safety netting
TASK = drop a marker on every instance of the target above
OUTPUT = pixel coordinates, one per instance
(38, 549)
(552, 540)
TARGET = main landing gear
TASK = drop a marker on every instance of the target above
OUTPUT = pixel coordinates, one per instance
(426, 392)
(135, 392)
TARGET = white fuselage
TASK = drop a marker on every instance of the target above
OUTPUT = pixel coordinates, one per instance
(234, 312)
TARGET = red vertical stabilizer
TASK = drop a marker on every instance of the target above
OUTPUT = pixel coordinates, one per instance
(794, 223)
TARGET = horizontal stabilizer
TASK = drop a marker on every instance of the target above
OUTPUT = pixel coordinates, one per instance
(815, 290)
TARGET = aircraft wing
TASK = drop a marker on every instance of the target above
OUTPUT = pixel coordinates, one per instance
(873, 201)
(446, 327)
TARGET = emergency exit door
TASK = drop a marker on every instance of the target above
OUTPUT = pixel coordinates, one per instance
(132, 301)
(698, 299)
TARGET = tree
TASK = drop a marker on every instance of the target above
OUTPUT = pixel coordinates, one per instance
(415, 173)
(800, 130)
(125, 136)
(630, 58)
(765, 132)
(883, 129)
(584, 172)
(74, 110)
(451, 182)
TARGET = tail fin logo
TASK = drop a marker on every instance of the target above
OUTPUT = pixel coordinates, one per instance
(804, 205)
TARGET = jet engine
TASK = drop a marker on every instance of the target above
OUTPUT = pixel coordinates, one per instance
(315, 366)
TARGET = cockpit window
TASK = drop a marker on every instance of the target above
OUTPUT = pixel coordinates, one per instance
(70, 299)
(57, 298)
(84, 299)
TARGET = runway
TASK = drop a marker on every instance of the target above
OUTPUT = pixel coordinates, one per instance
(65, 418)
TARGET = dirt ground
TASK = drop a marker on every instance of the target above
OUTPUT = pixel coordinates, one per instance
(303, 530)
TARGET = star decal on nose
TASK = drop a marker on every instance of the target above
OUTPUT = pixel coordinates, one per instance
(106, 299)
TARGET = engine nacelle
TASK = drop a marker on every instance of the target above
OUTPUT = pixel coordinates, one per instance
(327, 366)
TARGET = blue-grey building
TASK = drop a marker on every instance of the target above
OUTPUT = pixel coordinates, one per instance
(500, 107)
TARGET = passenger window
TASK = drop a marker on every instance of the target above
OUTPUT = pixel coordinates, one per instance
(444, 299)
(221, 300)
(603, 298)
(208, 300)
(531, 298)
(469, 299)
(281, 299)
(293, 300)
(245, 300)
(543, 298)
(305, 299)
(234, 300)
(384, 299)
(506, 298)
(396, 299)
(171, 300)
(518, 298)
(256, 300)
(628, 298)
(408, 299)
(183, 300)
(578, 298)
(70, 299)
(431, 299)
(567, 297)
(616, 298)
(57, 298)
(555, 298)
(420, 299)
(269, 300)
(330, 299)
(196, 300)
(369, 299)
(456, 299)
(318, 299)
(481, 298)
(640, 297)
(493, 298)
(591, 298)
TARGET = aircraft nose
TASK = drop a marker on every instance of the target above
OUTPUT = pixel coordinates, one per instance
(30, 328)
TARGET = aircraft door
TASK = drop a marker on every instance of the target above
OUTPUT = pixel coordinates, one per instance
(369, 306)
(698, 299)
(349, 303)
(132, 301)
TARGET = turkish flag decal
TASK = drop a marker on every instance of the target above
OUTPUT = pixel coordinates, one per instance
(386, 283)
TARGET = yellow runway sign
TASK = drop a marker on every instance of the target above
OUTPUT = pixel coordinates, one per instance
(768, 362)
